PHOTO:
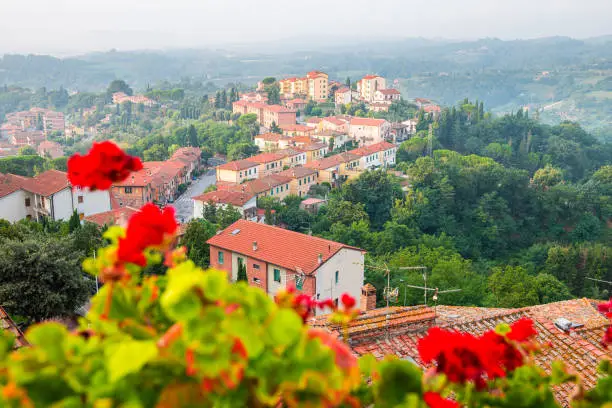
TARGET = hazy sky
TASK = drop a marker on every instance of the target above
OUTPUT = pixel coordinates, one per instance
(66, 26)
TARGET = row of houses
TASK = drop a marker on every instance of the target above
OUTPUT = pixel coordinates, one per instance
(45, 120)
(267, 115)
(158, 182)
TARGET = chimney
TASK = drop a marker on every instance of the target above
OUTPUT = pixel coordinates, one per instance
(254, 245)
(320, 259)
(368, 298)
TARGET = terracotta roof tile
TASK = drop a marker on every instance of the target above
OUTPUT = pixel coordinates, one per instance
(47, 183)
(9, 183)
(235, 198)
(118, 216)
(377, 147)
(237, 165)
(288, 249)
(367, 122)
(298, 172)
(9, 325)
(266, 157)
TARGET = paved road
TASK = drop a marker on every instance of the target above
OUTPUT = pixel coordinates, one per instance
(184, 204)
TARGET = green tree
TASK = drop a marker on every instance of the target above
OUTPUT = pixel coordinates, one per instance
(157, 152)
(119, 85)
(274, 128)
(41, 278)
(27, 151)
(346, 212)
(74, 222)
(377, 191)
(192, 136)
(197, 233)
(227, 215)
(547, 176)
(550, 289)
(242, 272)
(511, 286)
(209, 212)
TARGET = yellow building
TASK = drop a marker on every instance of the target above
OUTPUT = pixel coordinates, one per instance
(237, 171)
(302, 178)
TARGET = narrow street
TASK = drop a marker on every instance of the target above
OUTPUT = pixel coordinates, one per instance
(184, 204)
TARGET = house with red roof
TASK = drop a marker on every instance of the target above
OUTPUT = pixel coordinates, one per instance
(293, 157)
(380, 154)
(269, 142)
(314, 86)
(335, 123)
(243, 201)
(367, 131)
(50, 149)
(48, 194)
(368, 85)
(276, 258)
(296, 104)
(337, 168)
(266, 114)
(237, 171)
(297, 130)
(191, 157)
(302, 178)
(117, 216)
(387, 95)
(342, 96)
(269, 163)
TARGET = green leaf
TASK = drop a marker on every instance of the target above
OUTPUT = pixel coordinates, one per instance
(50, 338)
(397, 379)
(129, 357)
(367, 364)
(214, 284)
(180, 300)
(285, 327)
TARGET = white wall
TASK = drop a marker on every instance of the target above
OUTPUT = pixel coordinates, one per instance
(349, 264)
(274, 287)
(94, 202)
(12, 206)
(62, 204)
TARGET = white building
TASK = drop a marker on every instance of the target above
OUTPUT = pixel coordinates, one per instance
(381, 154)
(47, 195)
(368, 131)
(245, 203)
(276, 258)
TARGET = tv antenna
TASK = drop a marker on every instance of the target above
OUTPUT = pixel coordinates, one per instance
(424, 287)
(390, 294)
(599, 280)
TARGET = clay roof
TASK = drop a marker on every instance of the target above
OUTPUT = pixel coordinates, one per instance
(298, 172)
(118, 216)
(315, 74)
(332, 161)
(312, 201)
(314, 120)
(47, 183)
(278, 246)
(9, 325)
(371, 76)
(313, 146)
(237, 165)
(580, 349)
(278, 108)
(377, 147)
(266, 157)
(235, 198)
(301, 140)
(335, 121)
(389, 91)
(262, 185)
(9, 183)
(296, 128)
(271, 137)
(343, 90)
(431, 108)
(367, 122)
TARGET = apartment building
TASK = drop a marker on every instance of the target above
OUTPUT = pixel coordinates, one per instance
(237, 171)
(276, 258)
(244, 202)
(302, 178)
(368, 85)
(381, 154)
(266, 114)
(342, 96)
(314, 86)
(337, 168)
(269, 163)
(270, 142)
(387, 95)
(367, 131)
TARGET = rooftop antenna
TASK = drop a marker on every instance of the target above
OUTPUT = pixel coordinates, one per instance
(421, 268)
(599, 280)
(389, 293)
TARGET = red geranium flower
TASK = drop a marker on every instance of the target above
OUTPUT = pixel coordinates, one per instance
(606, 308)
(149, 227)
(607, 339)
(103, 165)
(435, 400)
(348, 301)
(521, 330)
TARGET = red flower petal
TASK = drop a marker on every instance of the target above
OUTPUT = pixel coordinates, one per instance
(434, 400)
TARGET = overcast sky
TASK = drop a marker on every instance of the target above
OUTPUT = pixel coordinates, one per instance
(70, 26)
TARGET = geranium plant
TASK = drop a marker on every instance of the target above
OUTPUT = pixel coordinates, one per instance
(190, 338)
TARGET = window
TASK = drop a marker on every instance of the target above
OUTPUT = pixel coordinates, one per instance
(127, 190)
(256, 280)
(300, 182)
(240, 174)
(277, 190)
(287, 187)
(337, 275)
(309, 179)
(220, 258)
(80, 199)
(277, 275)
(27, 202)
(255, 266)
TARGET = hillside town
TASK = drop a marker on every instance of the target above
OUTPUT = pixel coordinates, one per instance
(326, 188)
